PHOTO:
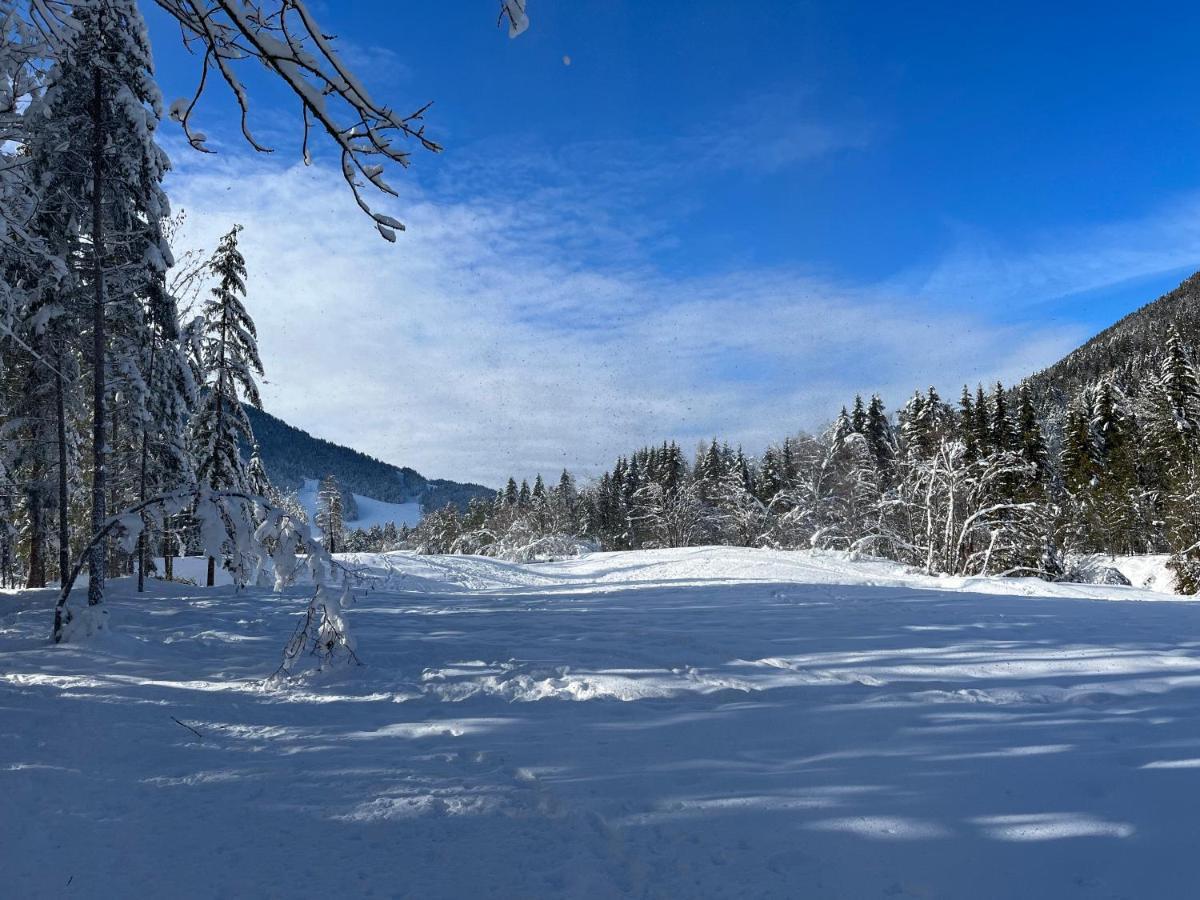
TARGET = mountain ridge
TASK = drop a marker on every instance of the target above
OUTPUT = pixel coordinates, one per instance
(1125, 351)
(291, 455)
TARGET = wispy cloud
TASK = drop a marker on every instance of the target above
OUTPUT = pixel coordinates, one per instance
(522, 323)
(468, 355)
(1052, 264)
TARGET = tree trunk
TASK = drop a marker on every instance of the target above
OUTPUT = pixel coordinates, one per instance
(6, 549)
(141, 544)
(64, 534)
(116, 557)
(96, 563)
(37, 529)
(142, 477)
(212, 571)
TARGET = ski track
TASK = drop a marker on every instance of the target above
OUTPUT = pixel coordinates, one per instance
(710, 722)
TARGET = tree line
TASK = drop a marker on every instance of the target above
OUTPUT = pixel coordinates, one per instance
(992, 484)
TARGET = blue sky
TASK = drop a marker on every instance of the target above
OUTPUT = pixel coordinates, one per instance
(716, 219)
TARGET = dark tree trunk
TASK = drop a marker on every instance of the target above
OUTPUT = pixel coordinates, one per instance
(168, 549)
(64, 510)
(6, 549)
(96, 563)
(116, 558)
(37, 529)
(141, 544)
(142, 478)
(212, 571)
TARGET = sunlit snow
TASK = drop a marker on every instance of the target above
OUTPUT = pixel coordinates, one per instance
(712, 722)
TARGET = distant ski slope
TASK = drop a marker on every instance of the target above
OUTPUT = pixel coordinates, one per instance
(370, 511)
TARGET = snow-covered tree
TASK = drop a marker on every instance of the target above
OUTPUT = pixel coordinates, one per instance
(329, 513)
(229, 363)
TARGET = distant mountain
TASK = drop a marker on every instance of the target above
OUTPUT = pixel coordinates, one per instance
(292, 455)
(1128, 351)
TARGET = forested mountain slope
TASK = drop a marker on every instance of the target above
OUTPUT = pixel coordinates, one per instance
(292, 455)
(1129, 350)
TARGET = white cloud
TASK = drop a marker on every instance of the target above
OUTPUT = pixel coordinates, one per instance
(1054, 264)
(484, 344)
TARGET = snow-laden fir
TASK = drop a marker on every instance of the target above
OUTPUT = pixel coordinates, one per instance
(708, 722)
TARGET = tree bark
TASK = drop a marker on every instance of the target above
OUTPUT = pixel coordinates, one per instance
(64, 534)
(97, 561)
(37, 529)
(142, 466)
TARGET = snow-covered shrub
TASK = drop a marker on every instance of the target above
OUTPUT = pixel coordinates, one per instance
(1093, 569)
(540, 549)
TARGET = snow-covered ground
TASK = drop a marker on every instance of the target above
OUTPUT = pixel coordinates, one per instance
(370, 511)
(1148, 571)
(713, 722)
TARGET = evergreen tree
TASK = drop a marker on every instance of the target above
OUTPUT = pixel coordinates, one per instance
(257, 481)
(983, 423)
(229, 363)
(915, 428)
(1029, 434)
(771, 478)
(966, 425)
(103, 167)
(1001, 433)
(842, 428)
(858, 418)
(881, 438)
(566, 491)
(1117, 503)
(330, 513)
(1174, 415)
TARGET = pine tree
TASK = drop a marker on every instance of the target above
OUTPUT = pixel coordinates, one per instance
(1077, 463)
(1001, 434)
(257, 481)
(771, 479)
(1029, 434)
(881, 438)
(915, 430)
(330, 513)
(229, 362)
(859, 419)
(1117, 503)
(101, 175)
(966, 425)
(1174, 415)
(566, 491)
(842, 428)
(983, 424)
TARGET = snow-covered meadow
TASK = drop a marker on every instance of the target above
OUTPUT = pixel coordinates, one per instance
(711, 722)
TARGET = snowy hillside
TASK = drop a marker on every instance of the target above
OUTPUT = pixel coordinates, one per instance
(370, 512)
(692, 723)
(293, 456)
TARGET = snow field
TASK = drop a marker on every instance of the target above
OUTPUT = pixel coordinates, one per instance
(712, 722)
